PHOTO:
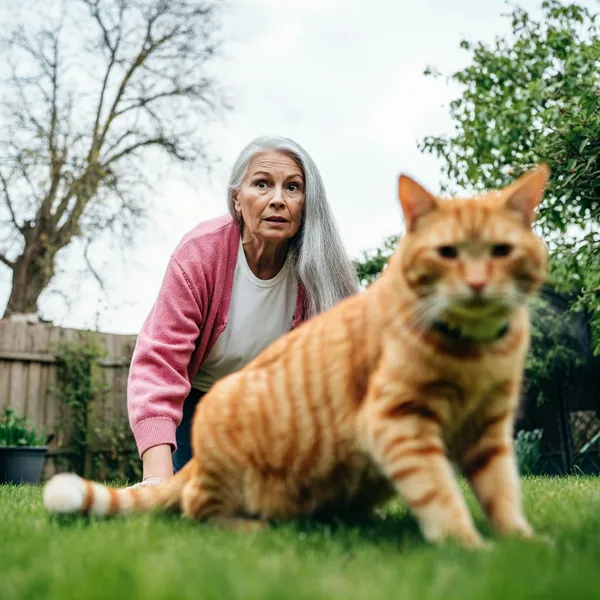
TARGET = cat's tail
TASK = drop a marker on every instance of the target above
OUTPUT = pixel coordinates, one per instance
(67, 493)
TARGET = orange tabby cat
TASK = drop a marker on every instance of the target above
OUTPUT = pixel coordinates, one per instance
(379, 394)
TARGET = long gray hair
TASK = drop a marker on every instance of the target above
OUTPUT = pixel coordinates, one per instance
(317, 253)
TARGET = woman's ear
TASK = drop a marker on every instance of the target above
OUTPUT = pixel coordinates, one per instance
(236, 203)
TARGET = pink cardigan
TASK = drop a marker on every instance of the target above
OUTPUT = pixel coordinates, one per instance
(188, 316)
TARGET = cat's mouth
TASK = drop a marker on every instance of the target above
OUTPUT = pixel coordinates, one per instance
(475, 319)
(478, 308)
(477, 302)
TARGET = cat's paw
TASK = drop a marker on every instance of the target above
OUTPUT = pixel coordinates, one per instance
(473, 542)
(469, 539)
(524, 531)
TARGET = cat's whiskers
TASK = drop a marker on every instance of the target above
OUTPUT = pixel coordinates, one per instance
(427, 311)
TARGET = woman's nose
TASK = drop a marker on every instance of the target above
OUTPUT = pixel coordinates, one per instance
(277, 198)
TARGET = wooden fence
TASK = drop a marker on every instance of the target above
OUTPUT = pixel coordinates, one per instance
(28, 373)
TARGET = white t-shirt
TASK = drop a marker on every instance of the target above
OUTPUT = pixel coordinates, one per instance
(260, 312)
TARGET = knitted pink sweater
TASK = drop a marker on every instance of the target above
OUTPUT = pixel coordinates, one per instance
(188, 316)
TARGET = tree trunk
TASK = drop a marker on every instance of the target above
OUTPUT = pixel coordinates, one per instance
(32, 273)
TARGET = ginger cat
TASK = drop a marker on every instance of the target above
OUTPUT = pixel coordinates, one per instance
(380, 394)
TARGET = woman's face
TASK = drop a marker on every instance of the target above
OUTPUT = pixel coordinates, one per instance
(271, 196)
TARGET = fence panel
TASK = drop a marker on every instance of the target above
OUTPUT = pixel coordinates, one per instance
(28, 376)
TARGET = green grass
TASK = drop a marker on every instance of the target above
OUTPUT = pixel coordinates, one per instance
(153, 556)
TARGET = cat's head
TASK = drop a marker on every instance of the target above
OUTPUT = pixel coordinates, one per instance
(472, 261)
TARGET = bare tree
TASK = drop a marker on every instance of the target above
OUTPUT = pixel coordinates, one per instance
(91, 95)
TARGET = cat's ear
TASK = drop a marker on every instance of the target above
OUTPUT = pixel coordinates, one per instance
(416, 200)
(526, 192)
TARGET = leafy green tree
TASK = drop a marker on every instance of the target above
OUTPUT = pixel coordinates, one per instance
(529, 97)
(373, 262)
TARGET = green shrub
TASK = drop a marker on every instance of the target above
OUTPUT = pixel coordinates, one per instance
(19, 431)
(528, 448)
(102, 450)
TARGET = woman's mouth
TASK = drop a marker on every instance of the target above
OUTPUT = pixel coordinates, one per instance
(276, 220)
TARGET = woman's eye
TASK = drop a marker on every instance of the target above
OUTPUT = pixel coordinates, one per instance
(293, 187)
(448, 251)
(501, 250)
(260, 184)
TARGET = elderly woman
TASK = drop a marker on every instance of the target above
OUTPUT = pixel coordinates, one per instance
(233, 285)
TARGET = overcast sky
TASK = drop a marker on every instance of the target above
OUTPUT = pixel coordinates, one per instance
(344, 78)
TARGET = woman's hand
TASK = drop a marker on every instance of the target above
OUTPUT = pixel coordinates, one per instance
(148, 482)
(158, 466)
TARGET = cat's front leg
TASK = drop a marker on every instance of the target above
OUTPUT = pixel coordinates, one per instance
(491, 468)
(406, 442)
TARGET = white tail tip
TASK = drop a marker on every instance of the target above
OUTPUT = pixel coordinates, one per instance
(64, 493)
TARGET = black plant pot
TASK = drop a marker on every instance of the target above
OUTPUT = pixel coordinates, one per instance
(22, 464)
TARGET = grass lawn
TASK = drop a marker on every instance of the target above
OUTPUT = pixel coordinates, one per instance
(154, 556)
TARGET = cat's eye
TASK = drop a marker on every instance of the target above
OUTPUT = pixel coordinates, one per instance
(501, 250)
(448, 251)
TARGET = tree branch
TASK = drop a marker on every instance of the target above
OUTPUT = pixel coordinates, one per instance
(91, 268)
(9, 203)
(113, 49)
(147, 48)
(168, 145)
(56, 163)
(143, 102)
(25, 114)
(82, 189)
(126, 134)
(6, 261)
(64, 203)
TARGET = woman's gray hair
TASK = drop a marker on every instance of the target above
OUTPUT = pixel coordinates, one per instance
(317, 253)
